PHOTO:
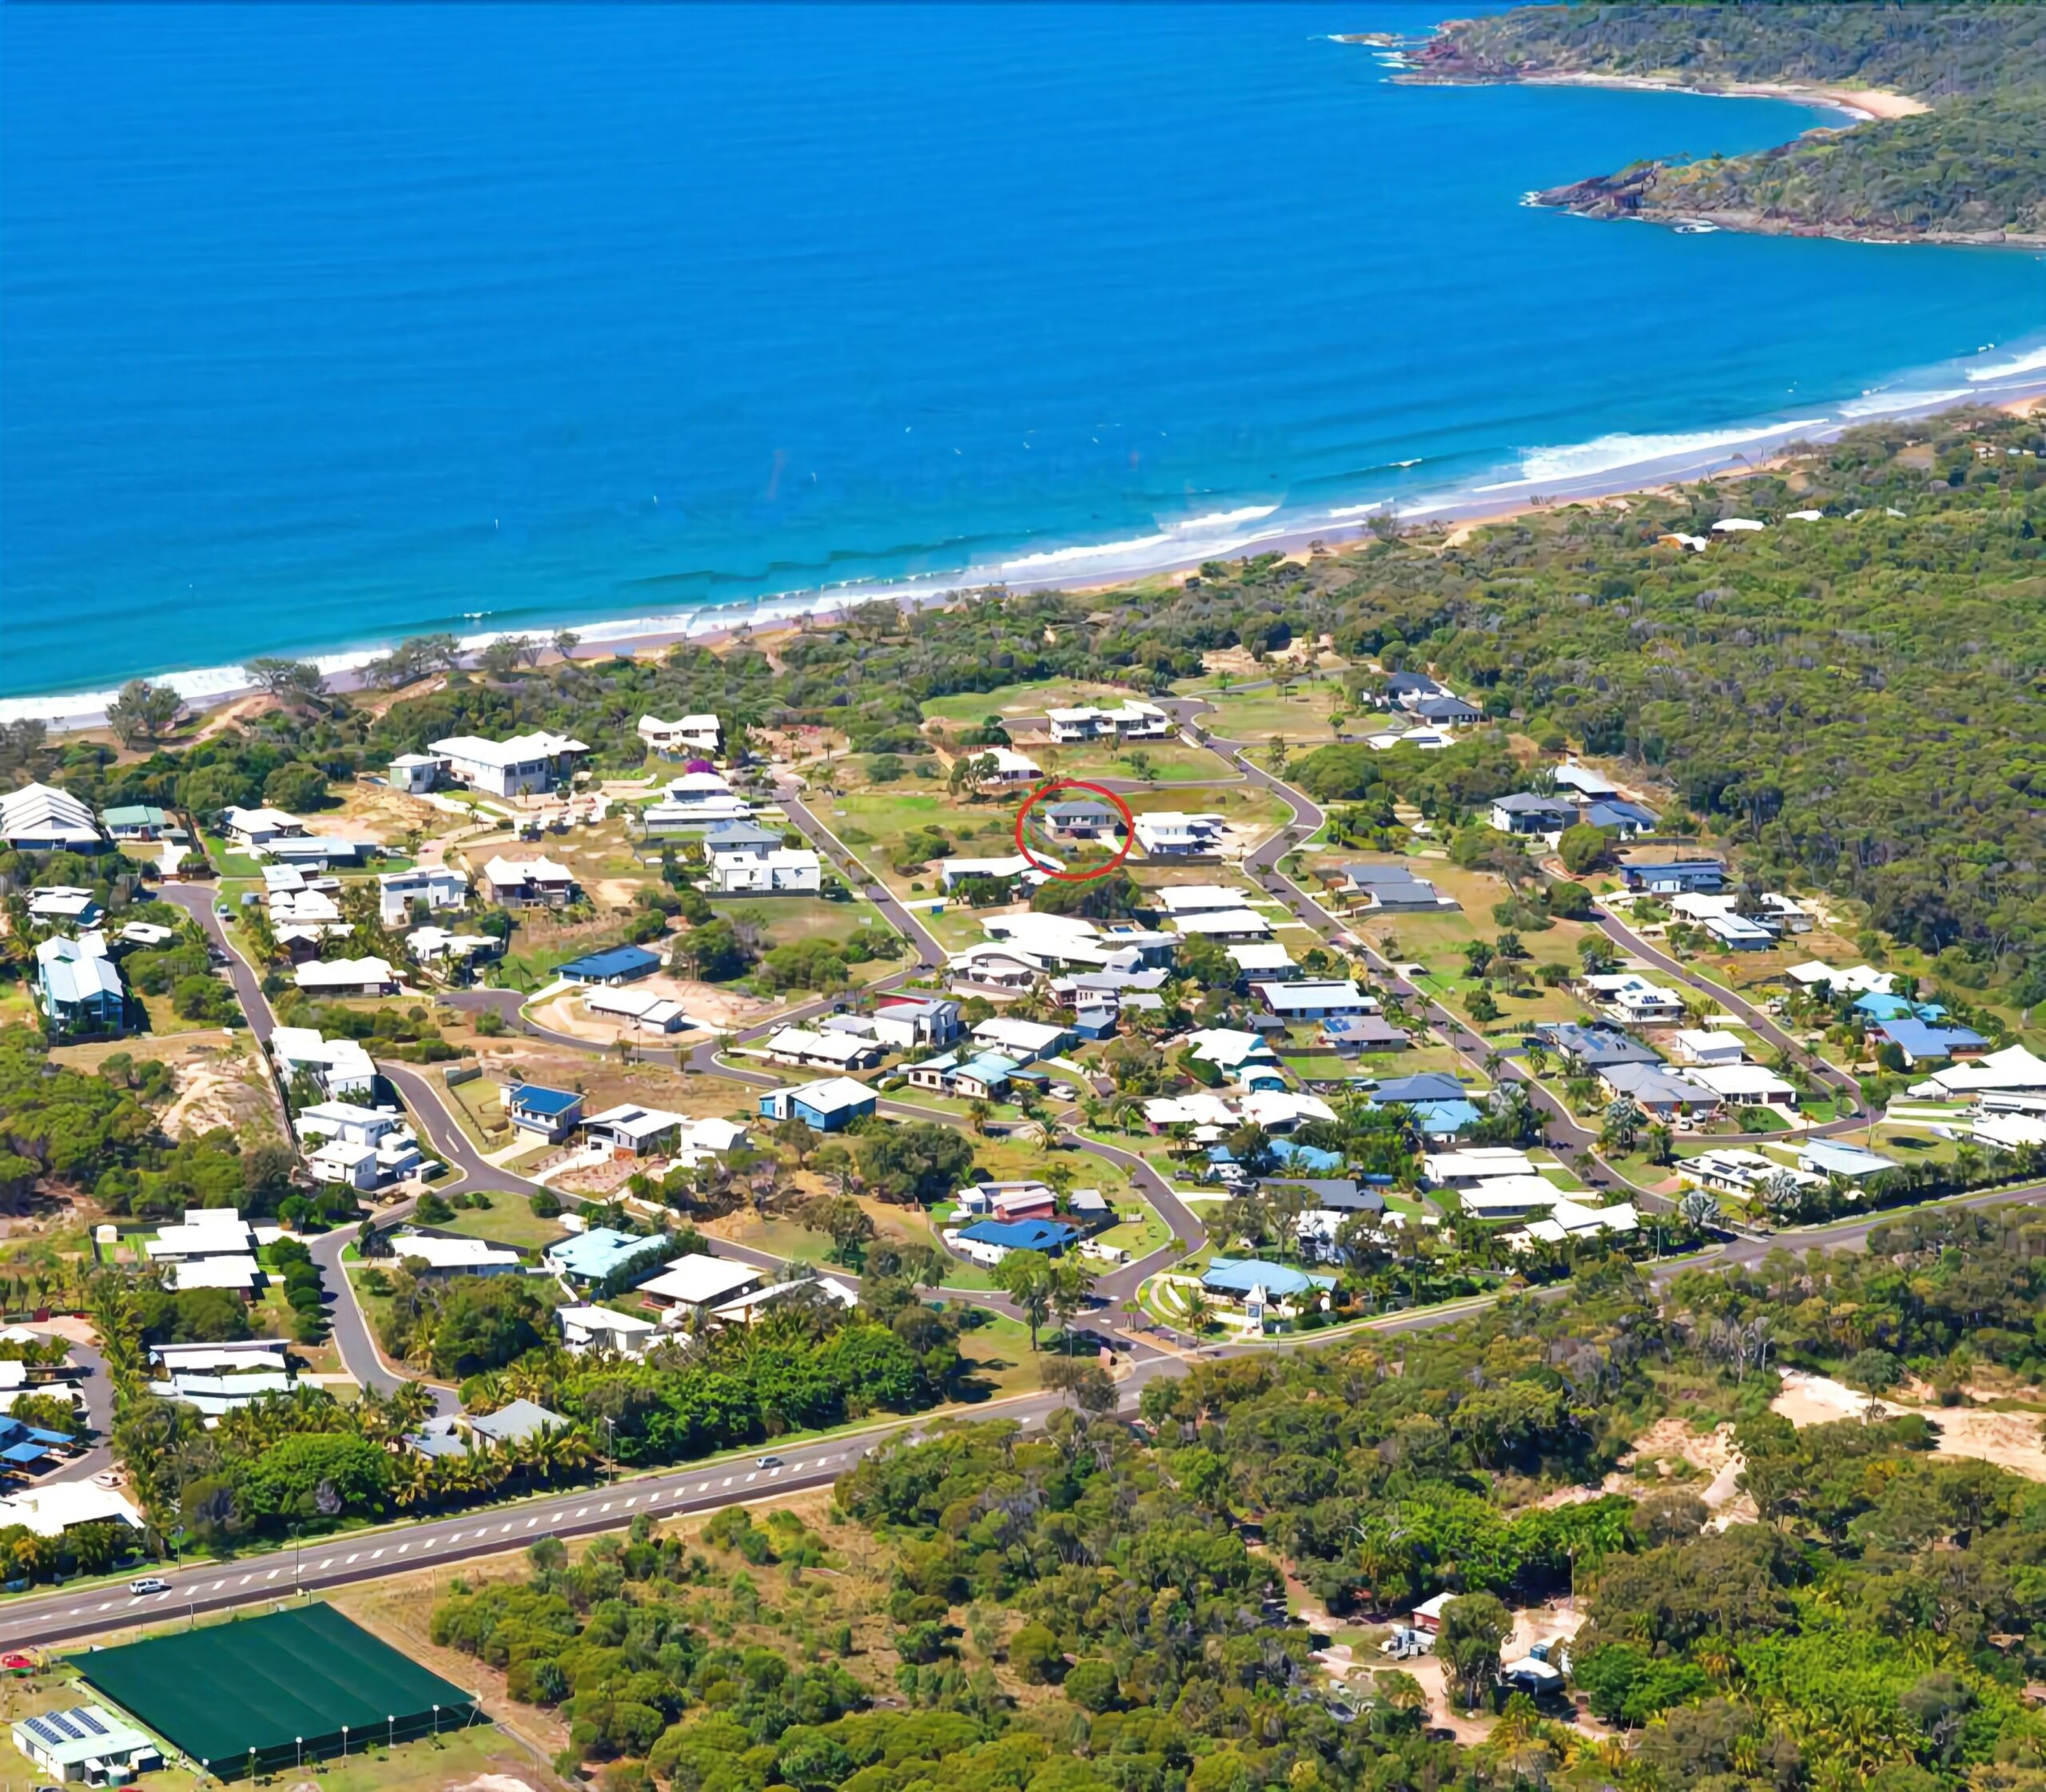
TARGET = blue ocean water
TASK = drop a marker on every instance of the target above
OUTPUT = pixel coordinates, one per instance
(324, 325)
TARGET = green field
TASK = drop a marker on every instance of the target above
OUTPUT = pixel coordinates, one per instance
(1033, 699)
(510, 1220)
(1257, 715)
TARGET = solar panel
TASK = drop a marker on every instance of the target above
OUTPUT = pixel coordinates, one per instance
(72, 1732)
(81, 1715)
(45, 1733)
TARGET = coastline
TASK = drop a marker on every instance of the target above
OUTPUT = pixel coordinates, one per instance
(1612, 466)
(1863, 104)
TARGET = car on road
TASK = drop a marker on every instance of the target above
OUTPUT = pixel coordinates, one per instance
(770, 1461)
(149, 1583)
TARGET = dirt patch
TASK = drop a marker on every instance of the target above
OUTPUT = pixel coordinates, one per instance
(223, 1090)
(2010, 1440)
(1711, 1453)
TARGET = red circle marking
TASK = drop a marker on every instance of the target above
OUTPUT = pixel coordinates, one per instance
(1037, 796)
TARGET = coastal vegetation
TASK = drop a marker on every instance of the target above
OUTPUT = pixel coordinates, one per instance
(1971, 168)
(1108, 1610)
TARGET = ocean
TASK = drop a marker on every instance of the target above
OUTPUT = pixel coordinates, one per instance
(323, 326)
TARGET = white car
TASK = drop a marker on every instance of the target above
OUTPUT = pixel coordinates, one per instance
(149, 1583)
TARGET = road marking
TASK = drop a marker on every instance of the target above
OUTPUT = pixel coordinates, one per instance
(605, 1506)
(273, 1573)
(753, 1477)
(726, 1482)
(403, 1548)
(774, 1472)
(504, 1530)
(357, 1557)
(531, 1523)
(634, 1500)
(104, 1605)
(653, 1496)
(581, 1510)
(703, 1486)
(163, 1596)
(328, 1563)
(374, 1554)
(243, 1581)
(216, 1585)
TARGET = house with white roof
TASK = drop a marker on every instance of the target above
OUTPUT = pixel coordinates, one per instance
(258, 827)
(1245, 1056)
(1171, 833)
(691, 1283)
(1571, 1219)
(952, 872)
(692, 736)
(1004, 765)
(1225, 925)
(438, 886)
(526, 763)
(908, 1021)
(1661, 1094)
(749, 1308)
(78, 987)
(430, 945)
(584, 1328)
(528, 883)
(347, 977)
(2011, 1070)
(1508, 1197)
(206, 1232)
(1862, 980)
(63, 904)
(1750, 1085)
(822, 1051)
(1023, 1040)
(431, 1258)
(1199, 898)
(1132, 720)
(1695, 1045)
(784, 871)
(633, 1131)
(640, 1009)
(1262, 961)
(1471, 1164)
(40, 817)
(341, 1067)
(1742, 1174)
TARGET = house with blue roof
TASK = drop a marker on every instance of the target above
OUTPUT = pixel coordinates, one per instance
(1305, 1160)
(78, 985)
(552, 1113)
(24, 1446)
(590, 1257)
(1622, 817)
(616, 965)
(988, 1241)
(1676, 876)
(1921, 1042)
(1241, 1278)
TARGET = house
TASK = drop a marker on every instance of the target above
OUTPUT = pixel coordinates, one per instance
(316, 850)
(57, 1506)
(1569, 1220)
(603, 1328)
(982, 1078)
(633, 1131)
(1618, 816)
(613, 965)
(347, 977)
(1590, 1049)
(1660, 1094)
(1024, 1040)
(430, 945)
(1735, 933)
(206, 1232)
(1524, 813)
(988, 1241)
(601, 1253)
(746, 838)
(40, 817)
(258, 827)
(1496, 1198)
(694, 803)
(824, 1290)
(453, 1434)
(79, 987)
(415, 774)
(907, 1022)
(435, 1258)
(1067, 942)
(1446, 711)
(1741, 1174)
(1695, 1046)
(1347, 1034)
(1391, 886)
(822, 1051)
(1748, 1085)
(828, 1106)
(1668, 878)
(1281, 1110)
(702, 1141)
(63, 904)
(516, 883)
(1407, 689)
(525, 763)
(1244, 1056)
(698, 735)
(1004, 765)
(1130, 721)
(86, 1742)
(1583, 780)
(1008, 1201)
(145, 933)
(1255, 1285)
(553, 1114)
(692, 1283)
(1831, 1157)
(995, 966)
(240, 1275)
(1316, 999)
(339, 1067)
(1465, 1168)
(697, 790)
(2007, 1072)
(785, 871)
(1921, 1043)
(1627, 996)
(136, 821)
(1438, 1105)
(1081, 821)
(1169, 834)
(1199, 898)
(1857, 980)
(1226, 925)
(640, 1009)
(24, 1446)
(1094, 1023)
(952, 872)
(438, 887)
(1262, 961)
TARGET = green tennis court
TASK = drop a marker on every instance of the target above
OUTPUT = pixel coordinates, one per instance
(265, 1692)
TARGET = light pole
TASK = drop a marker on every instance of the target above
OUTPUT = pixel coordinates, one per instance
(296, 1585)
(610, 1458)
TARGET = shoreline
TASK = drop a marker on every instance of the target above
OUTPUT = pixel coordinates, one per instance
(1547, 479)
(1863, 104)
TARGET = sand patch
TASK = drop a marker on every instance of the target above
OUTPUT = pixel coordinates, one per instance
(2010, 1440)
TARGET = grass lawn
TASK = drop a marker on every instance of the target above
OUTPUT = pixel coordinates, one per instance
(165, 1022)
(1257, 715)
(1140, 1237)
(1033, 699)
(475, 1105)
(999, 1360)
(509, 1220)
(229, 860)
(783, 920)
(1169, 761)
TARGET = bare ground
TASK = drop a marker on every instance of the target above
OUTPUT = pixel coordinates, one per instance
(2010, 1440)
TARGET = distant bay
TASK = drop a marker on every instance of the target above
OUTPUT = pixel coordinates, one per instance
(325, 326)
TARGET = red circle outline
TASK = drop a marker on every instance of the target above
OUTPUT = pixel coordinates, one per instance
(1038, 795)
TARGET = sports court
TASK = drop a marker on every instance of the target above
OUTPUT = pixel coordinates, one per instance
(269, 1691)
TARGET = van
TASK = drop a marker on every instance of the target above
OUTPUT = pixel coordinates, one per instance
(149, 1583)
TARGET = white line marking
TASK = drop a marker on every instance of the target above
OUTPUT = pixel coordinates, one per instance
(605, 1506)
(634, 1500)
(531, 1523)
(581, 1510)
(754, 1476)
(357, 1557)
(374, 1554)
(103, 1605)
(273, 1573)
(243, 1581)
(504, 1529)
(726, 1482)
(774, 1472)
(403, 1548)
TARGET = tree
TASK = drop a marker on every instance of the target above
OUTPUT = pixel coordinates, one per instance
(1699, 1207)
(1583, 848)
(1474, 1627)
(296, 785)
(920, 1162)
(486, 1322)
(290, 681)
(1622, 1124)
(1026, 1278)
(1072, 1289)
(143, 712)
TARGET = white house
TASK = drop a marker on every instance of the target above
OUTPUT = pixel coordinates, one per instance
(40, 817)
(206, 1232)
(1471, 1164)
(529, 882)
(347, 977)
(415, 774)
(700, 736)
(1226, 924)
(1170, 833)
(822, 1051)
(63, 904)
(634, 1130)
(431, 1258)
(1006, 766)
(907, 1022)
(785, 871)
(1199, 898)
(438, 886)
(526, 762)
(258, 827)
(603, 1328)
(1130, 721)
(640, 1009)
(1696, 1046)
(341, 1067)
(1747, 1085)
(1023, 1040)
(692, 1283)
